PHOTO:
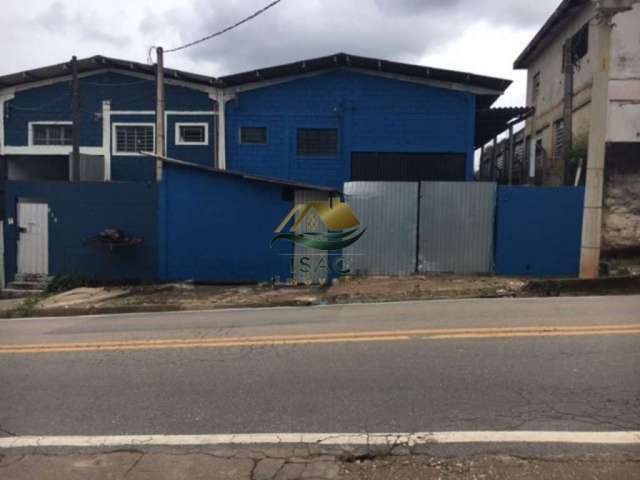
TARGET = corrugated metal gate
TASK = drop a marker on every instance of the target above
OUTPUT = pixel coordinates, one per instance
(422, 227)
(314, 269)
(456, 227)
(389, 210)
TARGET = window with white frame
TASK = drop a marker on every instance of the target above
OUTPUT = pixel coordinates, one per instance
(58, 133)
(192, 133)
(130, 138)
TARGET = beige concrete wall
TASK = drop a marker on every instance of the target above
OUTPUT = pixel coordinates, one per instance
(549, 65)
(623, 123)
(621, 209)
(549, 103)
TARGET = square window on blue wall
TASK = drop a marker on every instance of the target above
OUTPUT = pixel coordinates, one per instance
(253, 135)
(317, 142)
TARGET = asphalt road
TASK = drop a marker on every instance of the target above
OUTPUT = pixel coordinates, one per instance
(503, 364)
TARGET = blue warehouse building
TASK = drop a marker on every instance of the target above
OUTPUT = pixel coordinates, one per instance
(246, 143)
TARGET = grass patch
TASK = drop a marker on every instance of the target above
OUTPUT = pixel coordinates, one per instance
(25, 309)
(64, 283)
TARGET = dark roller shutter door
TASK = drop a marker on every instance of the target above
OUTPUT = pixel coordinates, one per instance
(408, 167)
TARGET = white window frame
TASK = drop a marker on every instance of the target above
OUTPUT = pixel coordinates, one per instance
(46, 122)
(114, 139)
(192, 124)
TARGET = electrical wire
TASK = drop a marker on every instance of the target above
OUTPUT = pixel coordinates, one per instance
(225, 30)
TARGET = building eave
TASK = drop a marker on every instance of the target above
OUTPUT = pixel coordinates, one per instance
(554, 24)
(245, 176)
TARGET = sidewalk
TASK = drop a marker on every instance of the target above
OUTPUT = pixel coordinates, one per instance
(293, 464)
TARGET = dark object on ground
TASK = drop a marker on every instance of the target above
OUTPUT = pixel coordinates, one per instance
(112, 238)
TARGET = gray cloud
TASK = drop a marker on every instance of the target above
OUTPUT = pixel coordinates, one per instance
(85, 24)
(402, 30)
(482, 36)
(513, 13)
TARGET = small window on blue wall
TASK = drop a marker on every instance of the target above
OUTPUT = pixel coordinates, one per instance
(253, 135)
(192, 133)
(317, 141)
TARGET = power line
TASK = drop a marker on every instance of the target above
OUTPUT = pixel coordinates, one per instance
(208, 37)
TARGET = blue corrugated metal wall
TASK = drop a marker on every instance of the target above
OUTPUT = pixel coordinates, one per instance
(538, 231)
(81, 210)
(373, 114)
(217, 228)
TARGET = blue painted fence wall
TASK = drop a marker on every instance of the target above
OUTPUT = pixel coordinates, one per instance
(372, 114)
(217, 228)
(126, 93)
(81, 210)
(538, 231)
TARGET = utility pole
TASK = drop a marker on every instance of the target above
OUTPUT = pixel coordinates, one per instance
(494, 159)
(160, 104)
(75, 117)
(594, 184)
(567, 110)
(510, 156)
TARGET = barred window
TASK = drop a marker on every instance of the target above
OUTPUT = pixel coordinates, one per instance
(559, 134)
(134, 138)
(253, 135)
(317, 141)
(52, 134)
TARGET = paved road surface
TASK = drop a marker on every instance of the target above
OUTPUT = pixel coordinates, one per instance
(503, 364)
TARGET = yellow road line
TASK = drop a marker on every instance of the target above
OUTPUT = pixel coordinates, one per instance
(534, 334)
(215, 344)
(383, 333)
(320, 338)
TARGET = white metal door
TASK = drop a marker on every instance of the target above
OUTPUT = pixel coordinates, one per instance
(33, 241)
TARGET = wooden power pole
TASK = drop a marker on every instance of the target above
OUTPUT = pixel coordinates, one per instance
(160, 108)
(75, 117)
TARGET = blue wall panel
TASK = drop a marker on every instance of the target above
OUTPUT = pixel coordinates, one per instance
(81, 210)
(200, 154)
(132, 168)
(126, 93)
(217, 228)
(372, 114)
(538, 231)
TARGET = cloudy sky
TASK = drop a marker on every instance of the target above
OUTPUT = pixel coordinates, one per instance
(480, 36)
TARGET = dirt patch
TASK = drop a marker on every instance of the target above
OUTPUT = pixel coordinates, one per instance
(609, 467)
(186, 296)
(380, 289)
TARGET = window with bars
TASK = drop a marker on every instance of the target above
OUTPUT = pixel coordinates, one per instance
(52, 134)
(134, 138)
(558, 147)
(579, 45)
(317, 141)
(192, 134)
(253, 135)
